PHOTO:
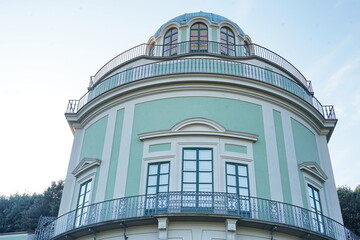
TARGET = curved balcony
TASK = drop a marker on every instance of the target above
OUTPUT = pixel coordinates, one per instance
(250, 211)
(202, 47)
(201, 65)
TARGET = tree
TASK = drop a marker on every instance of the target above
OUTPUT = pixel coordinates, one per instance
(22, 212)
(350, 207)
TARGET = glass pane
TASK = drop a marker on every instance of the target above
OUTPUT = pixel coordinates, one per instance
(231, 189)
(242, 170)
(151, 190)
(152, 180)
(205, 187)
(318, 207)
(205, 166)
(189, 177)
(310, 191)
(189, 166)
(205, 177)
(231, 180)
(88, 186)
(243, 182)
(164, 168)
(190, 154)
(87, 197)
(163, 188)
(81, 200)
(230, 168)
(164, 179)
(82, 190)
(189, 187)
(205, 154)
(153, 169)
(316, 193)
(243, 192)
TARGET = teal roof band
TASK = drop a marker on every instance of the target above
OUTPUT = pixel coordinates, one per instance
(213, 18)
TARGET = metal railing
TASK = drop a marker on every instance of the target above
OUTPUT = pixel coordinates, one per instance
(177, 203)
(201, 65)
(203, 47)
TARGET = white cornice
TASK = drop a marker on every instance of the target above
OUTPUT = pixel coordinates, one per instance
(84, 165)
(313, 169)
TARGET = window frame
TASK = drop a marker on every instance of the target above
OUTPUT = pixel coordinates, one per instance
(158, 174)
(197, 44)
(316, 214)
(81, 218)
(227, 48)
(171, 48)
(197, 171)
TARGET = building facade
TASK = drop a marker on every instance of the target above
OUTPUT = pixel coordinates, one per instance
(199, 134)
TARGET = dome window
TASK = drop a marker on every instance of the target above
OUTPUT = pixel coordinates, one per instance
(199, 38)
(171, 42)
(227, 40)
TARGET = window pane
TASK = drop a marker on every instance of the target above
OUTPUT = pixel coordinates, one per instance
(243, 191)
(152, 180)
(205, 154)
(82, 190)
(230, 168)
(190, 154)
(205, 187)
(189, 165)
(151, 190)
(189, 176)
(205, 177)
(231, 180)
(164, 179)
(242, 170)
(231, 189)
(243, 182)
(163, 188)
(205, 166)
(189, 187)
(164, 168)
(153, 169)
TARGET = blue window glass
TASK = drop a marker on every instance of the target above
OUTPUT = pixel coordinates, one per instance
(315, 206)
(227, 42)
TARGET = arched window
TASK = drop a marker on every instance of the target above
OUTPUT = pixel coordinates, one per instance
(199, 38)
(170, 42)
(227, 40)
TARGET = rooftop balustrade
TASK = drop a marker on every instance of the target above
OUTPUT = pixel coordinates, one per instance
(222, 205)
(203, 47)
(201, 65)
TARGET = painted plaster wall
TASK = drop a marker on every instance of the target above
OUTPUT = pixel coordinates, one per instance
(232, 114)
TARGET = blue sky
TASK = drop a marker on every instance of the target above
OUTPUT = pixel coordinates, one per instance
(49, 49)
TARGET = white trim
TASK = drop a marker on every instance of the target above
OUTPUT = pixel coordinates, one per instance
(85, 165)
(313, 169)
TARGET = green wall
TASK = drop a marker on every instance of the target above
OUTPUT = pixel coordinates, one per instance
(305, 150)
(93, 146)
(280, 144)
(232, 114)
(114, 158)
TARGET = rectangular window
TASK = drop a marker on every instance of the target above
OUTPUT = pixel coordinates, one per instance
(82, 204)
(157, 183)
(237, 187)
(197, 177)
(315, 204)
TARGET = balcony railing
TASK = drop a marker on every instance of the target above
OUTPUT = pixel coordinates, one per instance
(202, 65)
(203, 47)
(194, 203)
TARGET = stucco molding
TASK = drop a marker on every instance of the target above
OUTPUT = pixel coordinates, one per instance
(198, 127)
(84, 165)
(314, 170)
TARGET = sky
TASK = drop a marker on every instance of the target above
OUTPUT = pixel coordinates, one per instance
(49, 49)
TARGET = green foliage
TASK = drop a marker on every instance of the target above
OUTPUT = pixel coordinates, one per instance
(350, 207)
(22, 212)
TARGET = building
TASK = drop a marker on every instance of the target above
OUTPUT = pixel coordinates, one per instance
(199, 134)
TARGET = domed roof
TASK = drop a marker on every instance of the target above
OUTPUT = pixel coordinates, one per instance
(214, 18)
